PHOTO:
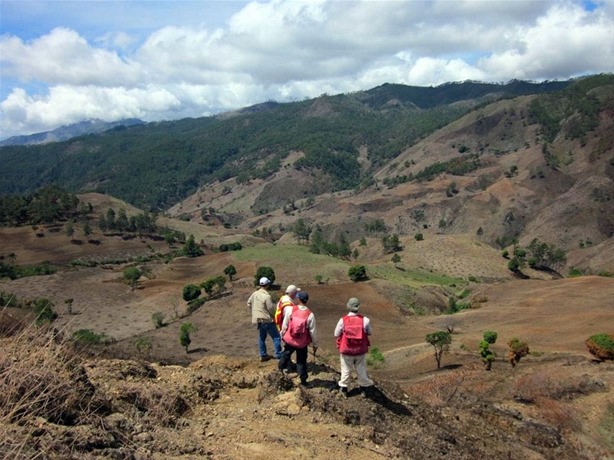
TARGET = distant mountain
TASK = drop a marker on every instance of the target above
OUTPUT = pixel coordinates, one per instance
(67, 132)
(157, 165)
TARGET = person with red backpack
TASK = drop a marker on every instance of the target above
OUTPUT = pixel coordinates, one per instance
(352, 333)
(298, 330)
(286, 300)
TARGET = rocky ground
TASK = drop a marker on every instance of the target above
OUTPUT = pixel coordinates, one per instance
(62, 403)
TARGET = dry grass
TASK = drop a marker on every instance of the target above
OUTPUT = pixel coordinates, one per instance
(41, 381)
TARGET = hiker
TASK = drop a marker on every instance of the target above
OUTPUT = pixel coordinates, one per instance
(352, 333)
(298, 331)
(263, 309)
(287, 300)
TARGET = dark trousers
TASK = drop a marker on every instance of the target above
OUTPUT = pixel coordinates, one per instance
(301, 360)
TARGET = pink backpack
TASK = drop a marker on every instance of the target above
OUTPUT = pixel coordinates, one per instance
(354, 340)
(297, 333)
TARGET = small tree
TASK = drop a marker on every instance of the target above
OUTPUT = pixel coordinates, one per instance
(132, 276)
(440, 341)
(266, 272)
(43, 308)
(358, 273)
(191, 249)
(158, 319)
(184, 335)
(208, 286)
(190, 292)
(517, 350)
(70, 229)
(230, 271)
(601, 346)
(143, 346)
(396, 259)
(490, 337)
(68, 303)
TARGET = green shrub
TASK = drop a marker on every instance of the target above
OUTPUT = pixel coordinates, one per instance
(375, 357)
(190, 292)
(601, 346)
(158, 319)
(195, 304)
(490, 336)
(418, 237)
(358, 273)
(44, 311)
(90, 337)
(267, 272)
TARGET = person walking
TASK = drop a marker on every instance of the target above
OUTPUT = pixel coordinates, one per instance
(298, 331)
(286, 300)
(352, 333)
(263, 309)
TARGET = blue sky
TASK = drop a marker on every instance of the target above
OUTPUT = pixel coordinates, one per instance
(66, 61)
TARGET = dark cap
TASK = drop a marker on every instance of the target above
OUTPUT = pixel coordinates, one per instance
(303, 296)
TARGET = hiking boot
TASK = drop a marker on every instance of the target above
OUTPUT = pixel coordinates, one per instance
(265, 358)
(343, 391)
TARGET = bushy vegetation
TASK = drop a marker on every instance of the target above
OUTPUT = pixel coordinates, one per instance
(89, 337)
(191, 249)
(264, 271)
(575, 101)
(225, 247)
(601, 346)
(375, 357)
(46, 205)
(13, 271)
(190, 292)
(120, 222)
(517, 350)
(358, 273)
(539, 256)
(488, 357)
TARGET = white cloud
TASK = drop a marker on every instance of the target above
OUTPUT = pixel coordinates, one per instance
(289, 50)
(63, 57)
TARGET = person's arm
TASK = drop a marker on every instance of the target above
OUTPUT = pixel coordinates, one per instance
(367, 325)
(250, 301)
(311, 323)
(339, 328)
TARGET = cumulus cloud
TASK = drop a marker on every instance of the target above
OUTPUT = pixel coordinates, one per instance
(64, 57)
(290, 50)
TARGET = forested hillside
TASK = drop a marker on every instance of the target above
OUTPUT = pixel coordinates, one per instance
(157, 165)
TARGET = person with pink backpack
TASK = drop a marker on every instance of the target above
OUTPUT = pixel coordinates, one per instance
(352, 333)
(298, 331)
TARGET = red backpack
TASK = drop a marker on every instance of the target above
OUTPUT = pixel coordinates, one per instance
(353, 340)
(297, 333)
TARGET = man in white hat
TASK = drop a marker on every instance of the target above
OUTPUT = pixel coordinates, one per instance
(286, 300)
(263, 311)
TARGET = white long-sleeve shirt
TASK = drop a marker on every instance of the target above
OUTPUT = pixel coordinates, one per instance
(366, 324)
